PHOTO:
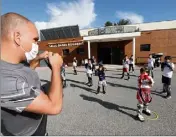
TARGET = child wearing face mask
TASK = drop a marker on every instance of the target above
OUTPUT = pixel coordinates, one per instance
(75, 66)
(145, 82)
(125, 67)
(151, 62)
(102, 80)
(89, 73)
(167, 67)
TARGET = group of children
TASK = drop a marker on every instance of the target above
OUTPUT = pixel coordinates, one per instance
(145, 80)
(100, 72)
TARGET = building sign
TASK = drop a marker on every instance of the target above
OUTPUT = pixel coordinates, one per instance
(55, 45)
(112, 30)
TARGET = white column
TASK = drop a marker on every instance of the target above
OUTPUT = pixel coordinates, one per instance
(134, 46)
(89, 49)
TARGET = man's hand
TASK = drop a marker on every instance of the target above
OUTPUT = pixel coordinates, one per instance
(55, 60)
(43, 55)
(35, 62)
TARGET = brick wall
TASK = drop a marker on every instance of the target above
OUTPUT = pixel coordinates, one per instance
(163, 41)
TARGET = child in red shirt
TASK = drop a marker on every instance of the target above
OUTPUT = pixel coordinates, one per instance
(145, 82)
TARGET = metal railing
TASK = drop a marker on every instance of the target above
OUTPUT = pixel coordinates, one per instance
(113, 30)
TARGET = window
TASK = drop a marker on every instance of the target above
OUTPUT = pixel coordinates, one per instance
(65, 51)
(80, 50)
(145, 47)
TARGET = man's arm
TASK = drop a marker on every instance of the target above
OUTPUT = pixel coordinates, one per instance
(34, 63)
(51, 103)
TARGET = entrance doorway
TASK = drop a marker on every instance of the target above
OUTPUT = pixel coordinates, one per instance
(104, 55)
(110, 55)
(117, 55)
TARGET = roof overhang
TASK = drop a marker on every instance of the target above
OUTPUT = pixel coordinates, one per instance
(112, 37)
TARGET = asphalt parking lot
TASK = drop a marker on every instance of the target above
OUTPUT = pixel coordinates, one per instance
(85, 113)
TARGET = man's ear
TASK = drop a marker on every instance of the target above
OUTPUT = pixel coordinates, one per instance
(17, 38)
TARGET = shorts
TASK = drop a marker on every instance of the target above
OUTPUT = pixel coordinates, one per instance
(74, 67)
(125, 69)
(144, 96)
(166, 80)
(103, 82)
(89, 75)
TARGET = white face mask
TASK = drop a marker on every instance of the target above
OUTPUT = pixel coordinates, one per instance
(33, 53)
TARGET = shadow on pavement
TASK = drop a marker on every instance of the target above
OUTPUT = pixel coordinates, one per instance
(76, 81)
(109, 105)
(135, 88)
(157, 94)
(116, 70)
(85, 88)
(81, 71)
(69, 73)
(131, 75)
(112, 77)
(123, 86)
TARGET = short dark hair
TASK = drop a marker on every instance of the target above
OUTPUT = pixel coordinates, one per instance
(142, 70)
(11, 20)
(168, 58)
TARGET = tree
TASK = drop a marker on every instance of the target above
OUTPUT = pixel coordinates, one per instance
(124, 22)
(108, 23)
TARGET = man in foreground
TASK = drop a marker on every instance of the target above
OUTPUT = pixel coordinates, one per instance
(24, 106)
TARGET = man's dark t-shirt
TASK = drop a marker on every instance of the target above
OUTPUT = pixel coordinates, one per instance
(20, 85)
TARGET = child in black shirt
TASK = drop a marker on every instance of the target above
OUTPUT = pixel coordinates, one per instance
(102, 81)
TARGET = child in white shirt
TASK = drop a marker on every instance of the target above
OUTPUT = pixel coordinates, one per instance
(167, 67)
(151, 62)
(125, 67)
(89, 73)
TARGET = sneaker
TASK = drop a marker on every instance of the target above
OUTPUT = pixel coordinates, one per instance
(147, 112)
(90, 85)
(168, 97)
(104, 92)
(141, 117)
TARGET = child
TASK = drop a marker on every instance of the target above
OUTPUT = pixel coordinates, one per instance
(145, 82)
(102, 81)
(125, 67)
(151, 62)
(89, 73)
(75, 65)
(63, 75)
(86, 63)
(167, 67)
(131, 64)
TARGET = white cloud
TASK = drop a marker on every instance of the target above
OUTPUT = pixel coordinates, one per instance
(134, 17)
(79, 12)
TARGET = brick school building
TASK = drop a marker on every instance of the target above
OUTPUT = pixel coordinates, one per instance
(111, 44)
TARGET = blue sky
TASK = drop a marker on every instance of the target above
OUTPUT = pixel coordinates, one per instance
(90, 13)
